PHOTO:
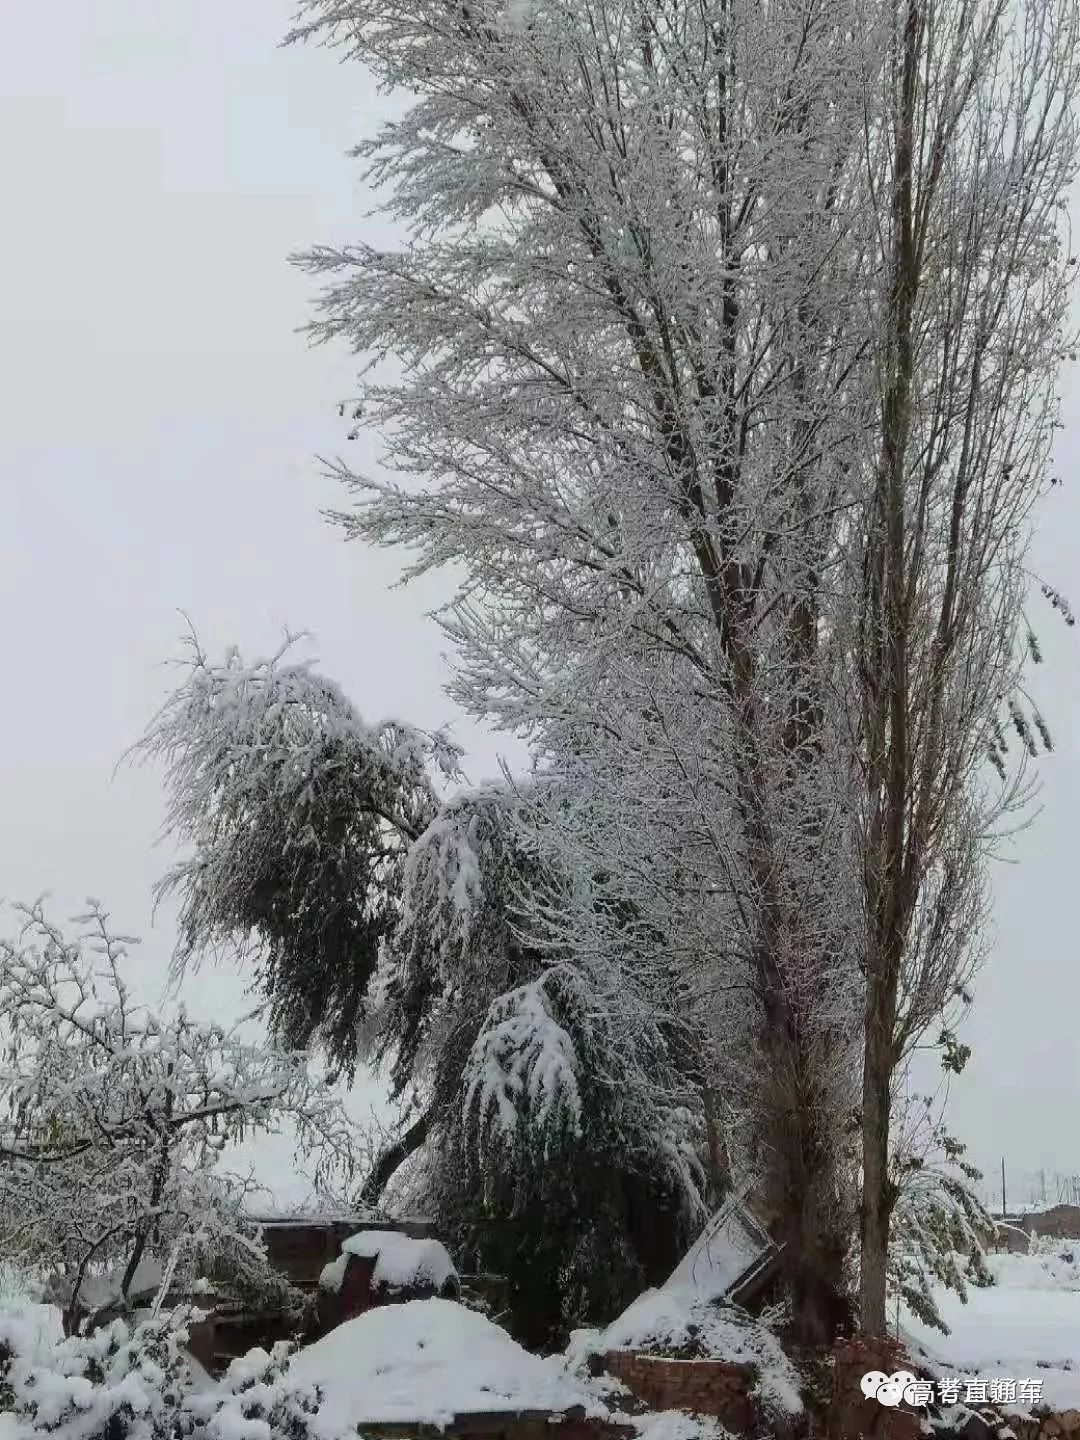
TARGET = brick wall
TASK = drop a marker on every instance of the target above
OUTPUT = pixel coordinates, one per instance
(1060, 1222)
(854, 1417)
(707, 1387)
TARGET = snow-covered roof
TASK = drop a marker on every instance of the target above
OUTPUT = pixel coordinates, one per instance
(729, 1247)
(400, 1262)
(427, 1361)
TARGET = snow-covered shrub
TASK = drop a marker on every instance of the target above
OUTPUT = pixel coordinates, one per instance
(258, 1400)
(121, 1383)
(138, 1382)
(113, 1120)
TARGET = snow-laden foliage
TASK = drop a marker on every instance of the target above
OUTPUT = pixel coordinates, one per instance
(299, 814)
(113, 1120)
(137, 1382)
(258, 1399)
(566, 1120)
(472, 992)
(120, 1381)
(726, 343)
(522, 1069)
(455, 946)
(629, 412)
(940, 1228)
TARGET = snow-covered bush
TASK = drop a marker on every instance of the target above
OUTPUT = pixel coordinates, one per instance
(259, 1400)
(138, 1382)
(113, 1120)
(119, 1382)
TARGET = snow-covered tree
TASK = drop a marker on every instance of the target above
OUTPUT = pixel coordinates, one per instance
(515, 1059)
(300, 816)
(113, 1120)
(727, 339)
(973, 143)
(629, 323)
(575, 1127)
(940, 1229)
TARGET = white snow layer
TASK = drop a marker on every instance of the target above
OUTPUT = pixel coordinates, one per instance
(332, 1276)
(426, 1361)
(677, 1316)
(721, 1254)
(1025, 1326)
(675, 1425)
(400, 1261)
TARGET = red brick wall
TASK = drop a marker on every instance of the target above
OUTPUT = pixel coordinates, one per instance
(707, 1387)
(851, 1415)
(356, 1296)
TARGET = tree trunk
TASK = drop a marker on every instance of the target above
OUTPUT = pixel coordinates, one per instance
(809, 1220)
(394, 1156)
(877, 1197)
(719, 1162)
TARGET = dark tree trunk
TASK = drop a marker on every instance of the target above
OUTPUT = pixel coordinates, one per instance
(394, 1156)
(877, 1189)
(719, 1162)
(809, 1218)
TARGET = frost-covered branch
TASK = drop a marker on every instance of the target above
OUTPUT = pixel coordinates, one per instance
(297, 815)
(113, 1119)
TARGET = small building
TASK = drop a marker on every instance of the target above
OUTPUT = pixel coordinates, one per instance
(301, 1246)
(304, 1248)
(1055, 1222)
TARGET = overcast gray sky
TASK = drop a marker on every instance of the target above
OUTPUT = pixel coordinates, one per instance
(159, 418)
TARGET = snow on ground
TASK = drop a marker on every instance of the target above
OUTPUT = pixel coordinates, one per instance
(675, 1425)
(428, 1360)
(1027, 1325)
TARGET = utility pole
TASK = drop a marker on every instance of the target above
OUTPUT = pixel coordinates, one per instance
(1003, 1206)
